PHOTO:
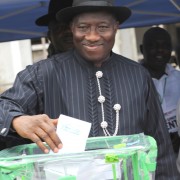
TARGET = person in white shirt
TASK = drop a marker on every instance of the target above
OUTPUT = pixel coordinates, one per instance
(156, 49)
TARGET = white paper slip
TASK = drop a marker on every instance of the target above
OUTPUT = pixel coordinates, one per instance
(73, 134)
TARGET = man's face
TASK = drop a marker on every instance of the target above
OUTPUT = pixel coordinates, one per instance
(94, 35)
(157, 51)
(60, 36)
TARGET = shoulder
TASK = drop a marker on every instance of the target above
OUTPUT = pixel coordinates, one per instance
(129, 64)
(171, 71)
(50, 63)
(57, 58)
(126, 61)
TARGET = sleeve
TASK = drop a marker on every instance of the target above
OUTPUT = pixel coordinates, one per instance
(157, 128)
(25, 97)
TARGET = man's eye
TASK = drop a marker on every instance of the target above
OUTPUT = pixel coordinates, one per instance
(83, 28)
(166, 46)
(103, 28)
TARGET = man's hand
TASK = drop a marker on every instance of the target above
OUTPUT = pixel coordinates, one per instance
(39, 129)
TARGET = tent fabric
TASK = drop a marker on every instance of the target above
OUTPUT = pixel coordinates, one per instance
(152, 12)
(17, 17)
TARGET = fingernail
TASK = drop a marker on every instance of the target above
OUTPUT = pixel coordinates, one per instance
(60, 146)
(56, 150)
(46, 151)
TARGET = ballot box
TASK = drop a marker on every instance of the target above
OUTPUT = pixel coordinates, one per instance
(131, 157)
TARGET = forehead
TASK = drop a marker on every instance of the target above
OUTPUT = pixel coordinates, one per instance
(157, 36)
(94, 16)
(157, 41)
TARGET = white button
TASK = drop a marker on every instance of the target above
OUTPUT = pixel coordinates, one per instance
(101, 99)
(117, 107)
(99, 74)
(3, 130)
(104, 124)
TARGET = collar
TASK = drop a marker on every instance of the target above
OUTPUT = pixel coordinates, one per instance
(169, 69)
(86, 63)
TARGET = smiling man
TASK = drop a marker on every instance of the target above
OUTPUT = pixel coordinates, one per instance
(94, 35)
(156, 49)
(90, 82)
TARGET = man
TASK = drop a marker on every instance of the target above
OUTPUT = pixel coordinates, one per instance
(90, 83)
(156, 49)
(59, 33)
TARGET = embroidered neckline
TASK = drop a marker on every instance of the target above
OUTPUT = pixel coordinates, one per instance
(101, 100)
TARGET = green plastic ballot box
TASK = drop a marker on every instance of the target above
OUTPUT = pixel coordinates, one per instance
(126, 157)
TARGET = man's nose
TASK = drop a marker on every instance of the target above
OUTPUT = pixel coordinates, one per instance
(92, 35)
(160, 49)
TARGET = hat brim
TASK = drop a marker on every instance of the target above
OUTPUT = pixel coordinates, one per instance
(67, 14)
(44, 20)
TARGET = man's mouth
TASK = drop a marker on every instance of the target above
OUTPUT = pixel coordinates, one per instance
(91, 47)
(159, 57)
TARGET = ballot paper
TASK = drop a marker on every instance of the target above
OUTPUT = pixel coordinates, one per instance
(73, 134)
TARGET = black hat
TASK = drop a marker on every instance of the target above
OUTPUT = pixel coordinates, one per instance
(54, 7)
(81, 6)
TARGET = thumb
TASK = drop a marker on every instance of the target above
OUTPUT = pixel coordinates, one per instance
(55, 121)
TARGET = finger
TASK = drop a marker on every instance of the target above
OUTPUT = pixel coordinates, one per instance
(39, 143)
(55, 122)
(51, 122)
(48, 127)
(54, 137)
(47, 119)
(46, 138)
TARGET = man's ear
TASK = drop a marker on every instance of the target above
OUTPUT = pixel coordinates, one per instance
(141, 48)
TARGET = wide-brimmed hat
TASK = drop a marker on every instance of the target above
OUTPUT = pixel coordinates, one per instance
(82, 6)
(54, 7)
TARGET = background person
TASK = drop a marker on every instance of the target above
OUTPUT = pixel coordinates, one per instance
(58, 33)
(156, 49)
(90, 83)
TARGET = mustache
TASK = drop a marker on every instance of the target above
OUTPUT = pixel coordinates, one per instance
(92, 44)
